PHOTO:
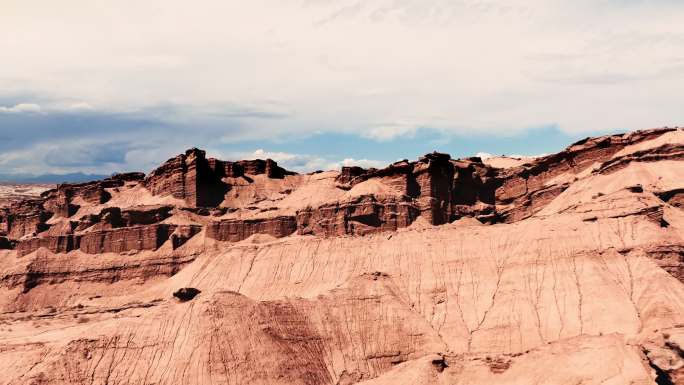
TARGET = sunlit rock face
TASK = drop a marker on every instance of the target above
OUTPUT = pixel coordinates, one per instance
(562, 269)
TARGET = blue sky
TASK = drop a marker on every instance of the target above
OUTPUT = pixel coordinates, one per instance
(93, 142)
(334, 146)
(99, 87)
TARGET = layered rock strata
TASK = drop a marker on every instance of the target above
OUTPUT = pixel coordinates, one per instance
(118, 240)
(433, 271)
(199, 181)
(234, 230)
(435, 187)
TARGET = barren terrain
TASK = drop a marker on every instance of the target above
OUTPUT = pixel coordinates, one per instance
(562, 269)
(12, 192)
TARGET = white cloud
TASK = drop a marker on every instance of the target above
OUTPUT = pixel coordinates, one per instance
(486, 155)
(365, 163)
(295, 162)
(303, 162)
(52, 106)
(277, 156)
(21, 107)
(80, 106)
(376, 68)
(383, 132)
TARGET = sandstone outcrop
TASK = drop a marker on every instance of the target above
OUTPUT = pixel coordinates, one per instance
(360, 216)
(124, 239)
(56, 244)
(199, 181)
(433, 271)
(235, 230)
(118, 240)
(519, 184)
(349, 173)
(59, 200)
(26, 218)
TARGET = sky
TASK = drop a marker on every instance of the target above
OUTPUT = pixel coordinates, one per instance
(95, 87)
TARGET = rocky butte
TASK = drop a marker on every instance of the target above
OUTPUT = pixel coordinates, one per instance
(562, 269)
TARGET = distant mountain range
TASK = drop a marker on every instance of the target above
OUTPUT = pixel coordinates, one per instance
(77, 177)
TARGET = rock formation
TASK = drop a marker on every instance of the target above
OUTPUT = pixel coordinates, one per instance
(561, 269)
(198, 180)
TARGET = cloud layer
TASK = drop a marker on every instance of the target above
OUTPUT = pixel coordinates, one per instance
(97, 86)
